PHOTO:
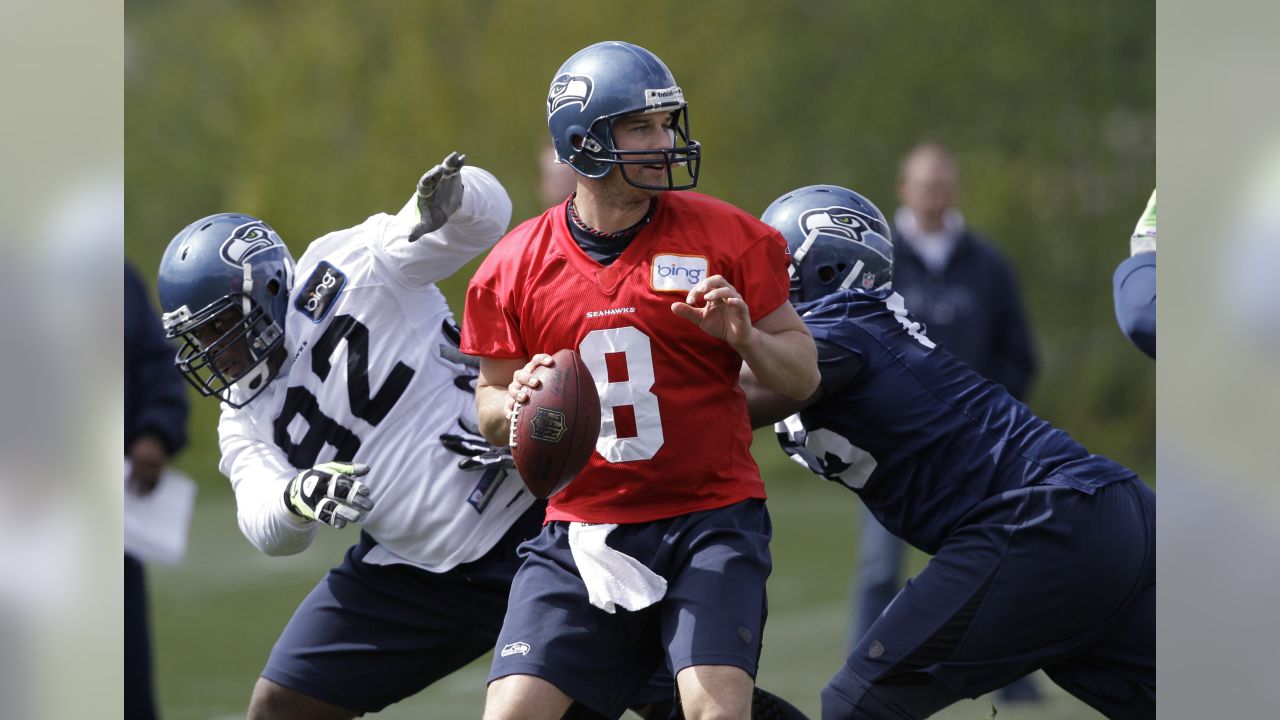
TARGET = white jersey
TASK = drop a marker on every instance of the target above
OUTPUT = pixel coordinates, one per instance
(373, 377)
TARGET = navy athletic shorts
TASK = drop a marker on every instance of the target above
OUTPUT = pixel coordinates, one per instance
(370, 635)
(715, 563)
(1044, 577)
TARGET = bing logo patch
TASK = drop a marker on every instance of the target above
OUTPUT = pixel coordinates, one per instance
(320, 290)
(677, 273)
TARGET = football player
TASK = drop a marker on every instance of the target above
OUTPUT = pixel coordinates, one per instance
(663, 294)
(336, 378)
(1044, 554)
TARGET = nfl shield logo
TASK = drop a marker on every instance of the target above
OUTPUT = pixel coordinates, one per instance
(868, 281)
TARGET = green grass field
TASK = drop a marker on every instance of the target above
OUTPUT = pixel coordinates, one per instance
(216, 616)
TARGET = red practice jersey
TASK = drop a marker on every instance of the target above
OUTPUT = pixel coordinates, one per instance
(674, 437)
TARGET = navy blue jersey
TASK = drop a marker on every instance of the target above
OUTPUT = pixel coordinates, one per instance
(918, 434)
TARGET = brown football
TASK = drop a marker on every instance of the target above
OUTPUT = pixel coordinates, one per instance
(554, 434)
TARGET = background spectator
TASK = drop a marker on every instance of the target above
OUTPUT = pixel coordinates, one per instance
(155, 427)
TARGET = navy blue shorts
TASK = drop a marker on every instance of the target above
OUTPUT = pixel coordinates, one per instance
(1044, 577)
(715, 563)
(370, 635)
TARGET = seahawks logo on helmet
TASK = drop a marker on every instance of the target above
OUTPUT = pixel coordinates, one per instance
(568, 89)
(245, 241)
(848, 223)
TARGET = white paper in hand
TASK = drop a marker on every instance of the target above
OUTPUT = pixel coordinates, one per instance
(156, 525)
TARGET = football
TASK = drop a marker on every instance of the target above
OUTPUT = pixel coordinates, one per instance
(554, 434)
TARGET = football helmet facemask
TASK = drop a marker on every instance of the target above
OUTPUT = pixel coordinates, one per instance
(224, 286)
(603, 82)
(838, 240)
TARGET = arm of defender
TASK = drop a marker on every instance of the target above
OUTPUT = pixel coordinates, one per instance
(477, 223)
(259, 474)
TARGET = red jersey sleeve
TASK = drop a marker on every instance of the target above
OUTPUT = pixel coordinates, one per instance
(760, 274)
(490, 323)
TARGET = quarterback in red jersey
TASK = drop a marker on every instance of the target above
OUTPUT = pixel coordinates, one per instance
(664, 296)
(668, 397)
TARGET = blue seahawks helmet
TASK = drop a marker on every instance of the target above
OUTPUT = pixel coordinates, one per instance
(838, 239)
(596, 86)
(228, 277)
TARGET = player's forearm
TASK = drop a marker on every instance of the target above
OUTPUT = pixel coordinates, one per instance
(267, 523)
(473, 229)
(785, 362)
(491, 403)
(259, 473)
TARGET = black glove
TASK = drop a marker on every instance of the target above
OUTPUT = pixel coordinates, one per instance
(476, 452)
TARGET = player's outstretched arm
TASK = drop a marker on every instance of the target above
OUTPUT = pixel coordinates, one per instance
(439, 195)
(457, 212)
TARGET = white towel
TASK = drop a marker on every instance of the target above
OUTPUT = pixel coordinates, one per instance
(612, 578)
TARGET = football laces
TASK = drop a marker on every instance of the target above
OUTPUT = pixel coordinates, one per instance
(515, 422)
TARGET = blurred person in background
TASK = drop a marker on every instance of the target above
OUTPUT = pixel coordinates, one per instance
(1135, 284)
(965, 292)
(155, 428)
(1044, 554)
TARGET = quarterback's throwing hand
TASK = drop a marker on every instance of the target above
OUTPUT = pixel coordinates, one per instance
(715, 306)
(439, 195)
(329, 493)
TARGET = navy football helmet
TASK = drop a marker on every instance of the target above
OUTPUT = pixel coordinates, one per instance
(838, 239)
(224, 287)
(602, 82)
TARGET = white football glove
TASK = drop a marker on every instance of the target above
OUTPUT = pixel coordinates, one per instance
(1144, 233)
(439, 195)
(330, 493)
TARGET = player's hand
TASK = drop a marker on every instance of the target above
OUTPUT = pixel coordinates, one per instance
(1144, 233)
(716, 306)
(439, 195)
(330, 493)
(523, 381)
(477, 453)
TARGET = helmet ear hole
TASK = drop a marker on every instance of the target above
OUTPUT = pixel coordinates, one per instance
(576, 141)
(273, 286)
(826, 273)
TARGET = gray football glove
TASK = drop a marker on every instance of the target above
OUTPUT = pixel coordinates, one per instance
(439, 195)
(330, 493)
